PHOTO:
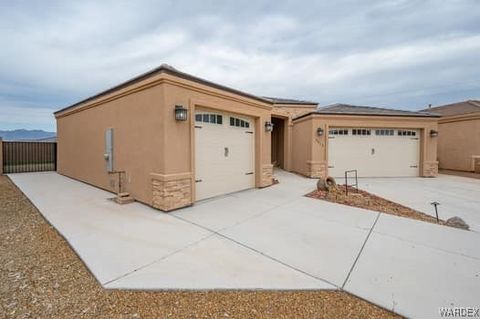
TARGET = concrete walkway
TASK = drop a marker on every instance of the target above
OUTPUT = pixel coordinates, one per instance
(458, 196)
(273, 238)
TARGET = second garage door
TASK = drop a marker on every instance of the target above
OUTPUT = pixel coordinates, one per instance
(224, 153)
(373, 152)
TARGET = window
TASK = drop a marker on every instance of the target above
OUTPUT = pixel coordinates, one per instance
(384, 132)
(239, 122)
(361, 131)
(341, 131)
(209, 118)
(406, 133)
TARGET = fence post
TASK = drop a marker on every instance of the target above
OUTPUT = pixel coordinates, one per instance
(1, 156)
(55, 156)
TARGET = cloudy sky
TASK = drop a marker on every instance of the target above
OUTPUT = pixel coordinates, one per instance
(398, 54)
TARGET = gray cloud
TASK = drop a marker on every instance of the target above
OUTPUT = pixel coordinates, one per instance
(402, 54)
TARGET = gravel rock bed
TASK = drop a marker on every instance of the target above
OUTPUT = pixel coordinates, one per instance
(369, 201)
(41, 277)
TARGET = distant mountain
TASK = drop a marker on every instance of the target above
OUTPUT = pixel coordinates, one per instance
(19, 135)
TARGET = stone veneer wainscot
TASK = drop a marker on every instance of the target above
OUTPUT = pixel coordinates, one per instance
(173, 191)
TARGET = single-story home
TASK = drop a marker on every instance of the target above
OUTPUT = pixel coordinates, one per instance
(459, 135)
(376, 142)
(169, 139)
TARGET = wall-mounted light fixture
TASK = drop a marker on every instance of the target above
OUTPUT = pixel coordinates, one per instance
(433, 133)
(268, 126)
(180, 113)
(320, 131)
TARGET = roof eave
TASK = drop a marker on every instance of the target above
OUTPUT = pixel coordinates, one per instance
(167, 70)
(367, 114)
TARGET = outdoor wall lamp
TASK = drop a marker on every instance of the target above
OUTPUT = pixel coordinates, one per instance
(433, 133)
(180, 113)
(320, 131)
(268, 126)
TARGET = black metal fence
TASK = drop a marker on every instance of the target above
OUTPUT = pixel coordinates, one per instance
(21, 157)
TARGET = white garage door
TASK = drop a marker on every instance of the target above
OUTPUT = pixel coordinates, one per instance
(373, 152)
(224, 153)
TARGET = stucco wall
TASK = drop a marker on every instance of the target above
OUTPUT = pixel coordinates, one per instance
(458, 141)
(137, 138)
(310, 158)
(302, 147)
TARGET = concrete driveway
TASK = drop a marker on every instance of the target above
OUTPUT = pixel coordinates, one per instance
(273, 238)
(458, 196)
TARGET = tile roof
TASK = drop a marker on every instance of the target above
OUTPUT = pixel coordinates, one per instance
(166, 68)
(347, 109)
(278, 100)
(459, 108)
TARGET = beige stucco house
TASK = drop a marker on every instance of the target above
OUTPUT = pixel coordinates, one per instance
(169, 139)
(459, 135)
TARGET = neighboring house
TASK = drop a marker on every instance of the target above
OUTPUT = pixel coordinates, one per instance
(173, 138)
(459, 135)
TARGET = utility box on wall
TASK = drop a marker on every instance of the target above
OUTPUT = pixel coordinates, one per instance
(108, 155)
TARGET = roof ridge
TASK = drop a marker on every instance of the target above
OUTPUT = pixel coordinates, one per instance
(348, 109)
(164, 67)
(371, 108)
(474, 102)
(456, 108)
(329, 106)
(279, 100)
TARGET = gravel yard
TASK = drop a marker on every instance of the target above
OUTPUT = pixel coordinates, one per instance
(367, 200)
(41, 277)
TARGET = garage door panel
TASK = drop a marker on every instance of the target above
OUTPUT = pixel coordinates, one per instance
(402, 153)
(374, 155)
(224, 155)
(215, 185)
